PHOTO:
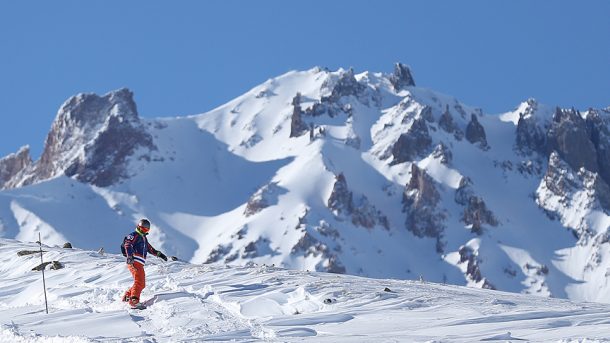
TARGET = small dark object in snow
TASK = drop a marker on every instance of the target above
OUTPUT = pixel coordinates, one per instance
(173, 258)
(328, 301)
(387, 290)
(502, 337)
(41, 266)
(67, 245)
(138, 306)
(55, 265)
(28, 252)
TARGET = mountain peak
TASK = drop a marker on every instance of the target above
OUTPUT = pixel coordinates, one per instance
(86, 109)
(90, 139)
(13, 164)
(401, 77)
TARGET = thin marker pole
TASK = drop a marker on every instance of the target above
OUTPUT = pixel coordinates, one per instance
(44, 284)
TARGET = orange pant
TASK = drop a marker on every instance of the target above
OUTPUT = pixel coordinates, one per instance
(139, 280)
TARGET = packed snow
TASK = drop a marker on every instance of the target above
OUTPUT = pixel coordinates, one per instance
(214, 302)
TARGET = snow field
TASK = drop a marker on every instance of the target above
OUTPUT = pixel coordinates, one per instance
(189, 302)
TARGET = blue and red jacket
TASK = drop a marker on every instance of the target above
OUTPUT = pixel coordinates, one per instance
(137, 245)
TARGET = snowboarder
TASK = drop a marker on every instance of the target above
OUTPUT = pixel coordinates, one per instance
(135, 247)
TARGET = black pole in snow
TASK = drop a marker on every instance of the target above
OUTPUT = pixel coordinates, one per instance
(44, 284)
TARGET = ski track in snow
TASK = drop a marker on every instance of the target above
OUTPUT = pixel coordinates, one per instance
(194, 303)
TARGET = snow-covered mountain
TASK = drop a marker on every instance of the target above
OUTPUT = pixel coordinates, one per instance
(365, 174)
(254, 303)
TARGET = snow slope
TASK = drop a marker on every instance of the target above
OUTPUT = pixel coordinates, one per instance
(363, 174)
(214, 302)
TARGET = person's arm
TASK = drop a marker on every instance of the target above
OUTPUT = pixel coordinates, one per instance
(156, 252)
(129, 242)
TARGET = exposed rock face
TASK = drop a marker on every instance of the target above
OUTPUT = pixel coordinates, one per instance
(420, 200)
(476, 214)
(219, 253)
(263, 198)
(13, 165)
(331, 105)
(600, 137)
(580, 142)
(257, 248)
(464, 191)
(569, 136)
(529, 136)
(415, 142)
(297, 126)
(559, 178)
(91, 139)
(473, 271)
(447, 124)
(361, 211)
(340, 200)
(346, 85)
(475, 210)
(561, 188)
(309, 245)
(442, 153)
(401, 77)
(475, 133)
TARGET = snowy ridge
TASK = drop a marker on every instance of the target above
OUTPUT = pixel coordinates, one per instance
(357, 173)
(214, 302)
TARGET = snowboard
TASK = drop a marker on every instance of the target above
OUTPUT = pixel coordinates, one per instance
(139, 306)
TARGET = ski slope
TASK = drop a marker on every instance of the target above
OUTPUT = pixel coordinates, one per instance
(195, 303)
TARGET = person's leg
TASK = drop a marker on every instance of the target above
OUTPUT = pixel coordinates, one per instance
(139, 282)
(127, 294)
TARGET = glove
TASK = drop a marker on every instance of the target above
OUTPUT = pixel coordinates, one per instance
(129, 260)
(161, 256)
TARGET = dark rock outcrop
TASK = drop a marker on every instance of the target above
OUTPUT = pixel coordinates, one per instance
(600, 137)
(475, 212)
(568, 135)
(415, 142)
(420, 200)
(55, 265)
(473, 271)
(447, 124)
(560, 188)
(219, 253)
(263, 198)
(529, 136)
(442, 153)
(559, 178)
(91, 139)
(361, 211)
(308, 245)
(297, 126)
(260, 247)
(464, 191)
(340, 200)
(28, 252)
(401, 77)
(475, 133)
(346, 85)
(13, 165)
(331, 105)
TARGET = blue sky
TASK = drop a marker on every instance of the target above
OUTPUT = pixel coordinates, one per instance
(186, 57)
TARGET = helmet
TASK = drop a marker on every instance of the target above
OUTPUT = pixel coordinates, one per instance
(143, 226)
